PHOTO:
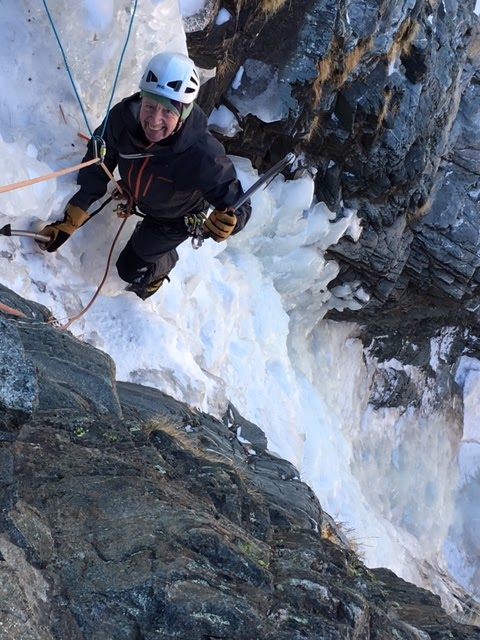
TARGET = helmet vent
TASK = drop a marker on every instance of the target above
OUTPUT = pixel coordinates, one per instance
(176, 85)
(151, 77)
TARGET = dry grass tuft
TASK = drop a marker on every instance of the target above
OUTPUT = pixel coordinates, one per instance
(182, 438)
(473, 48)
(421, 211)
(269, 7)
(315, 128)
(352, 60)
(410, 37)
(403, 42)
(336, 68)
(265, 7)
(342, 535)
(226, 69)
(326, 69)
(386, 106)
(188, 442)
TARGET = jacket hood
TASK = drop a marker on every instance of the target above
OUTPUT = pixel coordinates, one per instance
(192, 130)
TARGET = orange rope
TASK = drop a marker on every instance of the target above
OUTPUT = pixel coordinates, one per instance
(13, 312)
(109, 174)
(27, 183)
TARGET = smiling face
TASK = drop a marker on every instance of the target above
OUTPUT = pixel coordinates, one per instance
(157, 121)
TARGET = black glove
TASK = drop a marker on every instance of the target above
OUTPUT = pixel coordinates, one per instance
(220, 224)
(61, 231)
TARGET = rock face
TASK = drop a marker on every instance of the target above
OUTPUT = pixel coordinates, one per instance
(383, 101)
(125, 514)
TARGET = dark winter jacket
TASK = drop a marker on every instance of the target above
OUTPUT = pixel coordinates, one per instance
(169, 179)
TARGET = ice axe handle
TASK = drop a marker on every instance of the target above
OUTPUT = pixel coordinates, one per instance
(269, 175)
(8, 231)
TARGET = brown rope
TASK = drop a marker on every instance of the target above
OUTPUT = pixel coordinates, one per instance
(130, 207)
(99, 288)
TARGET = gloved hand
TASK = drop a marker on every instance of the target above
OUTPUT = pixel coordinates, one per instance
(61, 231)
(220, 224)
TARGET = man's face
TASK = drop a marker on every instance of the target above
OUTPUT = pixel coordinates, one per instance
(157, 121)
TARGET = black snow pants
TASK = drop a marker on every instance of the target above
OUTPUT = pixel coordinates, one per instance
(151, 250)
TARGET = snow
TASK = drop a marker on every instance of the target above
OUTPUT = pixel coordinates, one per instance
(242, 320)
(224, 121)
(190, 8)
(223, 16)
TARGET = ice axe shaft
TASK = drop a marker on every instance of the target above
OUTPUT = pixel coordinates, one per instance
(197, 235)
(267, 176)
(8, 231)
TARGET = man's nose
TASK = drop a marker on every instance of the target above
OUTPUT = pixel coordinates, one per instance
(157, 115)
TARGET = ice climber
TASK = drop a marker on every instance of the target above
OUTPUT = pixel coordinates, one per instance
(170, 164)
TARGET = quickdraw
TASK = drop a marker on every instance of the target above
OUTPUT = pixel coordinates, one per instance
(194, 223)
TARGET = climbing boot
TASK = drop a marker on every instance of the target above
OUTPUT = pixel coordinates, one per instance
(144, 289)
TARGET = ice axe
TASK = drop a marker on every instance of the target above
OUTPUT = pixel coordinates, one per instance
(8, 231)
(195, 227)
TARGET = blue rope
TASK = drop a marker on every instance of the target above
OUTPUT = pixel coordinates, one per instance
(67, 66)
(71, 76)
(119, 67)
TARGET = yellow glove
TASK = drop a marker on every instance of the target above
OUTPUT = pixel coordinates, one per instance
(61, 231)
(220, 224)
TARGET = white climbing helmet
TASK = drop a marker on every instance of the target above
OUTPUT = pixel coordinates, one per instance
(172, 76)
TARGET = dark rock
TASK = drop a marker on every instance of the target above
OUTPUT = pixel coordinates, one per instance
(158, 523)
(49, 370)
(18, 384)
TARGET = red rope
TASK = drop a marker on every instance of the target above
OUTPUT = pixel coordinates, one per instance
(99, 288)
(129, 209)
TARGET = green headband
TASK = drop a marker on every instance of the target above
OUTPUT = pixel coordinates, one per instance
(183, 115)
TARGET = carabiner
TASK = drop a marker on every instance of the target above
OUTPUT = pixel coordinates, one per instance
(99, 142)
